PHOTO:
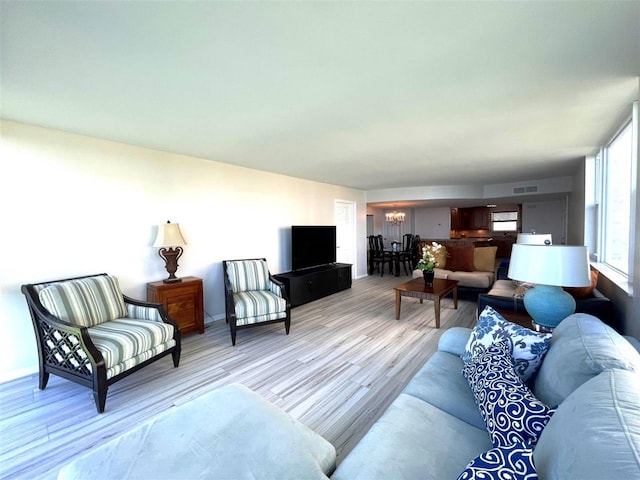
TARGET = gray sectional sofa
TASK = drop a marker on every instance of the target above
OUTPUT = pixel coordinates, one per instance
(432, 430)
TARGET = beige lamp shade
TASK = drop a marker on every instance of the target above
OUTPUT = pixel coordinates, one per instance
(169, 235)
(559, 265)
(534, 239)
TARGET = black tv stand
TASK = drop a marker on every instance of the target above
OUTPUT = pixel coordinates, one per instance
(309, 284)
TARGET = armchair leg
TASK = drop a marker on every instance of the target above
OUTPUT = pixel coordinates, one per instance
(43, 379)
(233, 336)
(100, 398)
(287, 325)
(176, 358)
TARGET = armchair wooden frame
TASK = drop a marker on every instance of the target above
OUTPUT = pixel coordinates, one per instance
(230, 310)
(66, 350)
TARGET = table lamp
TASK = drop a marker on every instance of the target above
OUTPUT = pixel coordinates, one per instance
(550, 267)
(170, 241)
(535, 239)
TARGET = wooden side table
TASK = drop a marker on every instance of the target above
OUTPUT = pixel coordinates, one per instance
(523, 319)
(182, 300)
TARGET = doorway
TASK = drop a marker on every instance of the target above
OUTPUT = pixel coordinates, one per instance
(345, 218)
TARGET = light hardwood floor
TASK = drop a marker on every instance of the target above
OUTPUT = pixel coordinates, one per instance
(344, 361)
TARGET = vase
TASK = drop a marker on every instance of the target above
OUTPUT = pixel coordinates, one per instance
(428, 276)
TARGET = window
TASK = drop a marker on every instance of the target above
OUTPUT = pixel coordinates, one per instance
(617, 193)
(504, 221)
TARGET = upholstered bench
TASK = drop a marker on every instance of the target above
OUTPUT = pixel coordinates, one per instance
(90, 333)
(229, 433)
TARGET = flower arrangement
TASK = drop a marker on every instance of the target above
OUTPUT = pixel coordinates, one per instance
(428, 261)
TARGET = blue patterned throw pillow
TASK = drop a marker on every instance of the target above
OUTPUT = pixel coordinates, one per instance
(510, 411)
(527, 347)
(514, 462)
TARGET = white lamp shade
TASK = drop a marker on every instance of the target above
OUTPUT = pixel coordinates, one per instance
(534, 239)
(558, 265)
(169, 236)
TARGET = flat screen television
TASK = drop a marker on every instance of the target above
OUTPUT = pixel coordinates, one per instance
(312, 246)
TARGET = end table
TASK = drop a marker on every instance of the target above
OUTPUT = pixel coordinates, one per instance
(182, 300)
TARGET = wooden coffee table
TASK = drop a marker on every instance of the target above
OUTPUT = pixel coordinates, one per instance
(418, 289)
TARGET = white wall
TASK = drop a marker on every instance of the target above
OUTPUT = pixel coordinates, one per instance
(581, 204)
(433, 222)
(378, 220)
(546, 217)
(74, 205)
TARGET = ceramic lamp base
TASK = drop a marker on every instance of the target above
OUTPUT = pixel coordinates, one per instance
(548, 305)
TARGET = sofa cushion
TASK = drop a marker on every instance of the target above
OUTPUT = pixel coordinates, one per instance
(460, 258)
(595, 432)
(438, 273)
(503, 288)
(229, 433)
(502, 463)
(258, 302)
(439, 382)
(85, 301)
(581, 347)
(413, 439)
(509, 409)
(484, 259)
(526, 346)
(472, 279)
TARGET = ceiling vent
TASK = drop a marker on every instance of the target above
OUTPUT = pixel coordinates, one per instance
(523, 190)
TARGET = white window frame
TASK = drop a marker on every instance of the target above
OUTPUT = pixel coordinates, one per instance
(495, 223)
(601, 197)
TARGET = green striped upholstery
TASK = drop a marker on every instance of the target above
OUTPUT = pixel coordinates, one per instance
(248, 275)
(143, 313)
(275, 288)
(259, 319)
(143, 357)
(126, 342)
(86, 301)
(258, 306)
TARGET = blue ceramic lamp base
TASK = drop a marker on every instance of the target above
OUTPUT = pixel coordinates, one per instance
(549, 305)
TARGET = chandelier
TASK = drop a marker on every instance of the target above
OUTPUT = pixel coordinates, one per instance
(395, 218)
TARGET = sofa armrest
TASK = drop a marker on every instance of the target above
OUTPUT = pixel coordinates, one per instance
(454, 340)
(599, 306)
(497, 302)
(502, 272)
(145, 310)
(277, 287)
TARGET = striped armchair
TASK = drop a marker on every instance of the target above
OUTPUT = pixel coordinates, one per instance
(88, 332)
(253, 296)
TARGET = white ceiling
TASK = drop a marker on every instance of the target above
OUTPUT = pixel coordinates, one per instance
(369, 95)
